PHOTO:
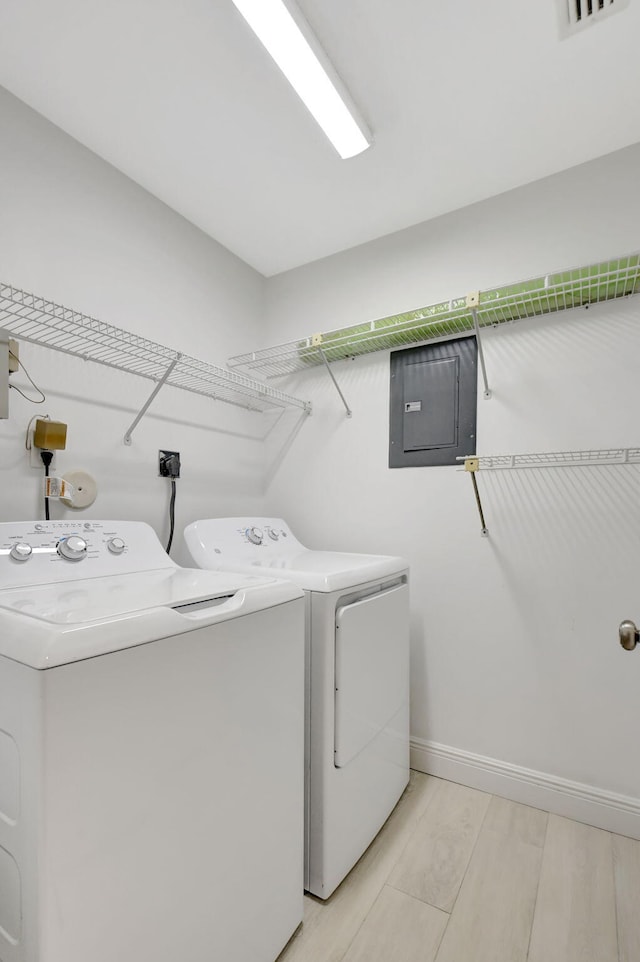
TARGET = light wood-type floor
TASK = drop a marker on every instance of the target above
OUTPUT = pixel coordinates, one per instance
(457, 875)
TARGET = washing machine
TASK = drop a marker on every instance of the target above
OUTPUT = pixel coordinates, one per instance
(357, 680)
(151, 752)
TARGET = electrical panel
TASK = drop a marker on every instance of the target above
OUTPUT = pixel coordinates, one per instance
(432, 410)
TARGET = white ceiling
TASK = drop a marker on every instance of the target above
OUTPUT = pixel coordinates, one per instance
(466, 99)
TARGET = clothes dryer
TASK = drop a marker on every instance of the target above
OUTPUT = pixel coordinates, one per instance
(357, 680)
(151, 752)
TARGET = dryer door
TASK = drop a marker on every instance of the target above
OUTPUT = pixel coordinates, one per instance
(372, 668)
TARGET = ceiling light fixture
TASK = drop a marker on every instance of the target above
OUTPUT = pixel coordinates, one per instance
(285, 34)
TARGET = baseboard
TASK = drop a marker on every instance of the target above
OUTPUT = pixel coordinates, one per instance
(585, 803)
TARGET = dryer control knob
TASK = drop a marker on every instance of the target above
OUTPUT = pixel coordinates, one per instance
(21, 551)
(254, 535)
(116, 545)
(73, 548)
(274, 535)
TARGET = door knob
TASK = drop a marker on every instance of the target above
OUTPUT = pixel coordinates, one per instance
(628, 634)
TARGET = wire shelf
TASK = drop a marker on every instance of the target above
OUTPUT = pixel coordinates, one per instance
(32, 318)
(559, 291)
(555, 459)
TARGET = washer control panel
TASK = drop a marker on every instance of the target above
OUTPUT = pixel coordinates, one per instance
(39, 552)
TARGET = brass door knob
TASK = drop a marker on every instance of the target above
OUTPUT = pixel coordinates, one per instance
(628, 634)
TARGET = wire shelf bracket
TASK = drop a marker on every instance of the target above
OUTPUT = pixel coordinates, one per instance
(32, 318)
(566, 289)
(335, 383)
(471, 465)
(546, 459)
(145, 407)
(473, 300)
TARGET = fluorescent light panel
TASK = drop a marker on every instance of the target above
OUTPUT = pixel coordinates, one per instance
(288, 41)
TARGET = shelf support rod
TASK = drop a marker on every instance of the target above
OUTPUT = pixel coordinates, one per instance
(473, 300)
(146, 406)
(336, 385)
(472, 465)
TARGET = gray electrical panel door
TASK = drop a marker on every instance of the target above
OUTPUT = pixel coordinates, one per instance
(433, 403)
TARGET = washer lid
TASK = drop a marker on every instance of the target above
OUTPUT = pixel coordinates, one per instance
(95, 599)
(47, 625)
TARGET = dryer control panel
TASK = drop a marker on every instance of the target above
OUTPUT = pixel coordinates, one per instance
(265, 533)
(244, 540)
(39, 552)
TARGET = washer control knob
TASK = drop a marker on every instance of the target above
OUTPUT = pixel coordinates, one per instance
(274, 535)
(21, 551)
(73, 548)
(254, 535)
(116, 545)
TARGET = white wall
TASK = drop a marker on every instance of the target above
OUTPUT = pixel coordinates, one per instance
(514, 638)
(75, 230)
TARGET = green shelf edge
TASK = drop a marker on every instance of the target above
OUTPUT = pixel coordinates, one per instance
(551, 293)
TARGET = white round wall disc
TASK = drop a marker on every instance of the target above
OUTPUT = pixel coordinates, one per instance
(85, 489)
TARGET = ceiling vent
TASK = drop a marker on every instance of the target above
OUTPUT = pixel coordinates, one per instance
(575, 15)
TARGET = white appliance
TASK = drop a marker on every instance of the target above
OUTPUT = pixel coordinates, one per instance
(151, 752)
(357, 683)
